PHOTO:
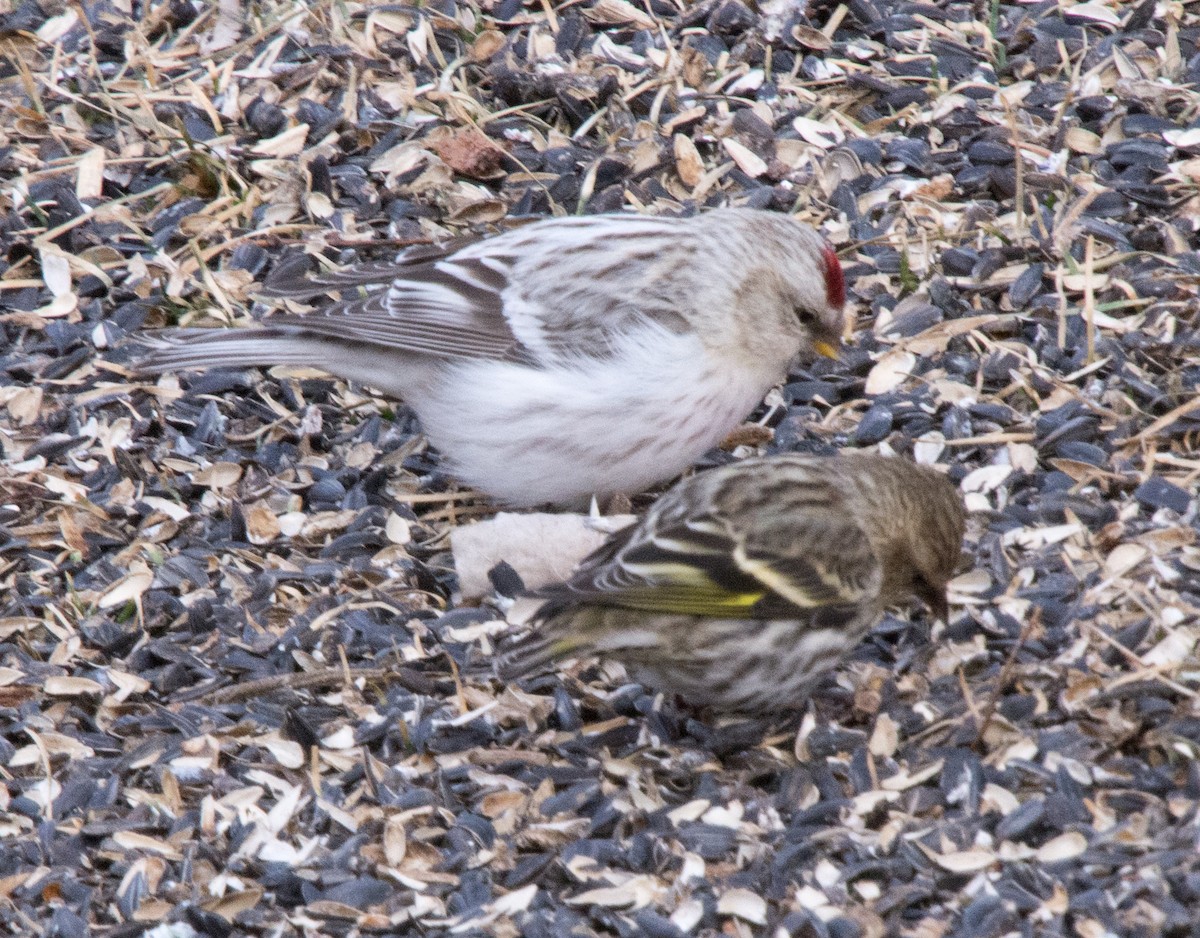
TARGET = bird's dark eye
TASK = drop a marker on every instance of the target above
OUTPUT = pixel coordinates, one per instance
(806, 317)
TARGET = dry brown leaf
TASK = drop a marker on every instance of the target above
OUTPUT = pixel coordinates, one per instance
(468, 152)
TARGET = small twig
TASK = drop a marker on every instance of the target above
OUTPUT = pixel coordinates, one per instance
(966, 693)
(1018, 163)
(1166, 420)
(987, 439)
(989, 708)
(304, 680)
(1144, 669)
(458, 686)
(943, 724)
(456, 515)
(1089, 297)
(416, 498)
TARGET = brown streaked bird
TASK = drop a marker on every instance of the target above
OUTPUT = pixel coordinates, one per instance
(744, 584)
(568, 358)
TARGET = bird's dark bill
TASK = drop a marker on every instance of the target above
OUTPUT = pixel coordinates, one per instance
(935, 598)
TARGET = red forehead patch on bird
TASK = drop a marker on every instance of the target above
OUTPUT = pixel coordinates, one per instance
(835, 280)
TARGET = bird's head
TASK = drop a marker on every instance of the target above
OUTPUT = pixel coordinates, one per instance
(934, 542)
(916, 521)
(795, 296)
(818, 304)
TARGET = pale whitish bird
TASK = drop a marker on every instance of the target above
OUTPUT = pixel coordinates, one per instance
(744, 584)
(568, 358)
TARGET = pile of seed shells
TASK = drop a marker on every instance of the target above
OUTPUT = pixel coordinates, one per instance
(236, 694)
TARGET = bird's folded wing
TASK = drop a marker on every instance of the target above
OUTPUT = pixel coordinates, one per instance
(561, 306)
(424, 335)
(828, 561)
(292, 280)
(704, 566)
(452, 307)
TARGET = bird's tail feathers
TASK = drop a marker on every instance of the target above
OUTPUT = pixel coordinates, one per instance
(188, 349)
(534, 652)
(292, 281)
